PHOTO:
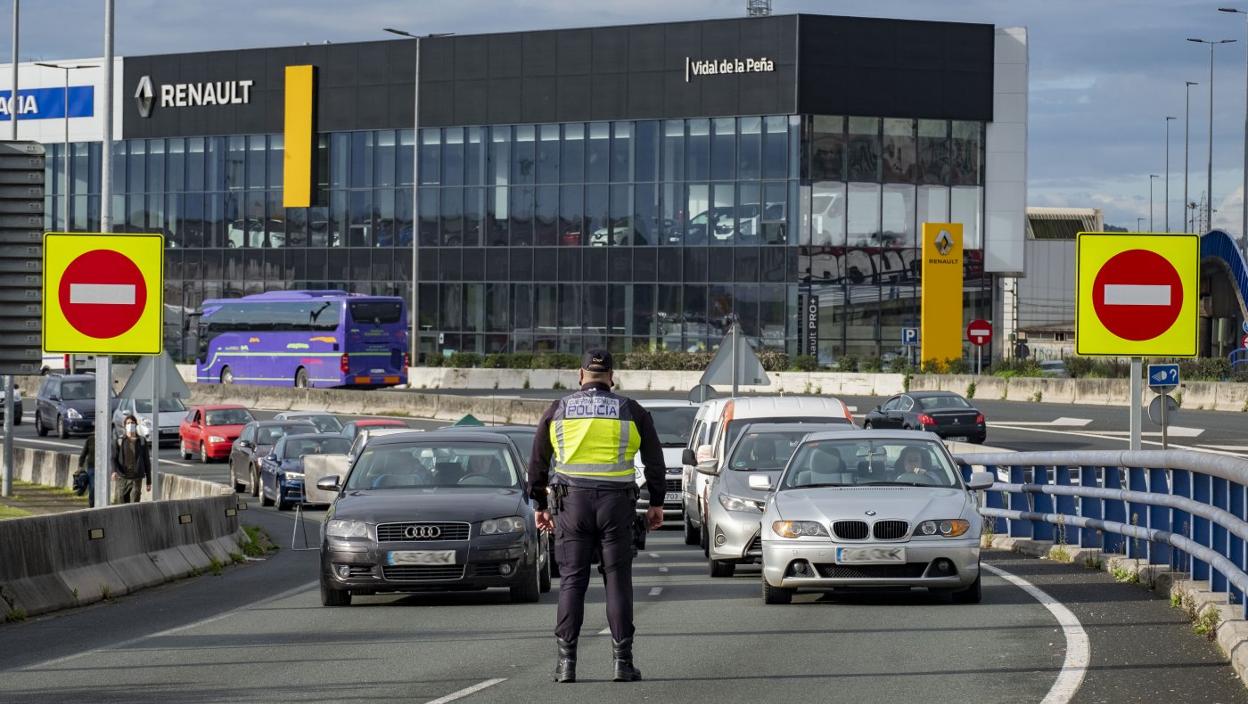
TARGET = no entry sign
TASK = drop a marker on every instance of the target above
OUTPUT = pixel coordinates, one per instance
(1137, 294)
(979, 332)
(102, 293)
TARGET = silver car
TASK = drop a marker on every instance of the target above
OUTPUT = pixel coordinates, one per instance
(739, 492)
(872, 509)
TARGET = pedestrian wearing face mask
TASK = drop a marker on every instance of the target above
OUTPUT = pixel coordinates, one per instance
(131, 466)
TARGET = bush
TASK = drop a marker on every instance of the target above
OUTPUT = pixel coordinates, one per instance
(957, 366)
(494, 361)
(848, 363)
(804, 363)
(519, 360)
(433, 360)
(871, 364)
(464, 360)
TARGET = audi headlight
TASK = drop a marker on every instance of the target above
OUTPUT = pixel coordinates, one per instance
(737, 503)
(295, 475)
(346, 529)
(498, 526)
(799, 529)
(215, 438)
(948, 528)
(72, 413)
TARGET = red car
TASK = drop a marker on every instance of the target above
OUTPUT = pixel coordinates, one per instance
(210, 431)
(353, 428)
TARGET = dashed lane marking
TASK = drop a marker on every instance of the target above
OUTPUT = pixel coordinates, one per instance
(655, 591)
(663, 569)
(467, 691)
(655, 555)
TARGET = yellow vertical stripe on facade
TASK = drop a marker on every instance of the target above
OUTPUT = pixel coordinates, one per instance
(940, 334)
(297, 160)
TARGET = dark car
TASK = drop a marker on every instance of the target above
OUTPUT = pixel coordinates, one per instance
(256, 441)
(66, 403)
(432, 511)
(281, 471)
(520, 435)
(942, 412)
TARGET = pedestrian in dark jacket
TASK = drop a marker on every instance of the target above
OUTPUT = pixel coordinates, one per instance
(131, 464)
(86, 467)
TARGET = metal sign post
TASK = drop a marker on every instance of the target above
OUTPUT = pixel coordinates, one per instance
(1136, 417)
(154, 436)
(6, 485)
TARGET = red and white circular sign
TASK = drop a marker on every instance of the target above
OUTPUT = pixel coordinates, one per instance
(1244, 342)
(1137, 295)
(979, 332)
(102, 293)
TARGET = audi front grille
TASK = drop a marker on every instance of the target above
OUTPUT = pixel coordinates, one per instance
(422, 573)
(890, 530)
(421, 532)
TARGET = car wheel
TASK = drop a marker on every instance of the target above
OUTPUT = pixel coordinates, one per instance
(543, 576)
(39, 429)
(723, 568)
(301, 378)
(776, 595)
(264, 498)
(334, 597)
(691, 534)
(255, 483)
(203, 453)
(866, 425)
(238, 486)
(971, 595)
(227, 376)
(282, 503)
(186, 454)
(60, 428)
(528, 590)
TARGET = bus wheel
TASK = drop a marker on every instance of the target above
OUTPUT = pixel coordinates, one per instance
(227, 376)
(301, 378)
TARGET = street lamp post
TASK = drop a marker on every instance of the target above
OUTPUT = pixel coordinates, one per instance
(65, 147)
(1166, 208)
(1152, 178)
(1139, 224)
(1243, 233)
(1209, 173)
(1187, 141)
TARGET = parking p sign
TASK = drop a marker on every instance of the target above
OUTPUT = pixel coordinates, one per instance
(909, 336)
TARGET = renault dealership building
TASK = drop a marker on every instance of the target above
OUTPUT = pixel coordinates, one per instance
(634, 187)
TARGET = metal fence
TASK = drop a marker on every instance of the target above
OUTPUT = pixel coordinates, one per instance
(1178, 508)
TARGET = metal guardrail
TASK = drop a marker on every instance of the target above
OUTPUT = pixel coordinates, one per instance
(1178, 508)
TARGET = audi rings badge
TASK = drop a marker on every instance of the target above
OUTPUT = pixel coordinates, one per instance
(422, 532)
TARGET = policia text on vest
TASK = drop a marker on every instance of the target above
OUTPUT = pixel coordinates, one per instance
(584, 453)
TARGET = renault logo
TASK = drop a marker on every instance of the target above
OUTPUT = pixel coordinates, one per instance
(422, 532)
(145, 97)
(944, 243)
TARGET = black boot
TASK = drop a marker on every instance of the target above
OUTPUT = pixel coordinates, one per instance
(565, 669)
(624, 670)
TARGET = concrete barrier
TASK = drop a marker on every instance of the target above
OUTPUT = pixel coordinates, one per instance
(75, 558)
(45, 467)
(176, 486)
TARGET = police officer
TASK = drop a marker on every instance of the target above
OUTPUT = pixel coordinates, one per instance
(587, 441)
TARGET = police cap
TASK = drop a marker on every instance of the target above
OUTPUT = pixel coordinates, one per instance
(597, 360)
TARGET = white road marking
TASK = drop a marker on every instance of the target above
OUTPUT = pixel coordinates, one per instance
(1137, 294)
(605, 632)
(107, 294)
(52, 443)
(1062, 422)
(1226, 448)
(663, 569)
(1123, 438)
(1175, 431)
(655, 591)
(655, 555)
(1078, 649)
(175, 463)
(468, 690)
(852, 409)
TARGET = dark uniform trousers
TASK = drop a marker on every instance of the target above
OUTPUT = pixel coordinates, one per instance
(588, 518)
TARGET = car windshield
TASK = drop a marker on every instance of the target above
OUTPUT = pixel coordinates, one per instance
(673, 424)
(167, 405)
(324, 423)
(940, 403)
(77, 390)
(230, 416)
(298, 447)
(270, 434)
(736, 426)
(869, 462)
(766, 451)
(402, 465)
(524, 443)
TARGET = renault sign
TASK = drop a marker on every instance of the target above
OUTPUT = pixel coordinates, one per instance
(180, 95)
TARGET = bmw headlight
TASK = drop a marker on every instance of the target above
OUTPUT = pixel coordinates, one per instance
(498, 526)
(346, 529)
(948, 528)
(799, 529)
(72, 413)
(737, 503)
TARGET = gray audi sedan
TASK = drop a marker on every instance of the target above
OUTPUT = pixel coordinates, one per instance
(432, 511)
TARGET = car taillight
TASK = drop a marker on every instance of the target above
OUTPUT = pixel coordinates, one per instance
(926, 420)
(344, 363)
(66, 365)
(407, 360)
(979, 418)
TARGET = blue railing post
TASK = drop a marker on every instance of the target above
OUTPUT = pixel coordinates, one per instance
(1042, 530)
(1181, 480)
(1200, 526)
(1158, 516)
(1065, 505)
(1221, 499)
(1137, 514)
(1018, 502)
(1115, 510)
(1235, 544)
(995, 499)
(1089, 508)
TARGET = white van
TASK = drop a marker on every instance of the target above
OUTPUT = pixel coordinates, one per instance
(734, 415)
(691, 482)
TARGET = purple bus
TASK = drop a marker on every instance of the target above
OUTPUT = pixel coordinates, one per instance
(303, 339)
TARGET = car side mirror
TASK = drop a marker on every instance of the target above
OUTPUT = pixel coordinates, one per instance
(708, 466)
(980, 481)
(762, 482)
(704, 453)
(877, 409)
(688, 457)
(328, 482)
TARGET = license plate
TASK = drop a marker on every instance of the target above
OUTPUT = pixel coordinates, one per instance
(870, 555)
(420, 557)
(672, 497)
(958, 438)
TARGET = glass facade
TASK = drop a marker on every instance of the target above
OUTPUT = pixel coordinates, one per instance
(640, 234)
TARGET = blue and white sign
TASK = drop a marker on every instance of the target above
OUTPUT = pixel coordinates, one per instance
(1163, 378)
(909, 336)
(1244, 325)
(48, 103)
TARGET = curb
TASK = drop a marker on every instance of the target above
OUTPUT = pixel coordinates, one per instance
(1211, 611)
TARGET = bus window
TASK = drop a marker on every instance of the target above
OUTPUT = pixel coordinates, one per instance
(376, 312)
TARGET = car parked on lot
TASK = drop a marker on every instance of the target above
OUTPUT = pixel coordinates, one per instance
(739, 492)
(281, 471)
(172, 411)
(432, 511)
(942, 412)
(210, 431)
(324, 422)
(66, 403)
(877, 508)
(353, 427)
(255, 442)
(1054, 368)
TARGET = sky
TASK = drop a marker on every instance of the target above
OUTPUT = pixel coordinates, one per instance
(1104, 73)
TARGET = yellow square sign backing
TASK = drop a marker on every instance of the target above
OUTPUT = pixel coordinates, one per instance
(103, 293)
(1137, 295)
